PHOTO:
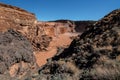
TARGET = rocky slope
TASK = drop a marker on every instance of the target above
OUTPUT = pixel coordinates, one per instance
(80, 26)
(16, 55)
(18, 35)
(61, 34)
(26, 43)
(93, 55)
(12, 17)
(23, 40)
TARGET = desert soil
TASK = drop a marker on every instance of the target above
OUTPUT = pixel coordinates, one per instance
(60, 41)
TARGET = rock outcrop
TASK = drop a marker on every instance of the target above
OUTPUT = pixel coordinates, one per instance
(15, 49)
(12, 17)
(77, 26)
(38, 33)
(54, 28)
(93, 55)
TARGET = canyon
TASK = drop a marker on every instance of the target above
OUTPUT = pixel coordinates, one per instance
(58, 50)
(34, 40)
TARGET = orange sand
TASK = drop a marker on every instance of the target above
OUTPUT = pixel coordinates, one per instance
(61, 40)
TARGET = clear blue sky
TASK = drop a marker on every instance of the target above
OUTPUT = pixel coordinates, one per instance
(66, 9)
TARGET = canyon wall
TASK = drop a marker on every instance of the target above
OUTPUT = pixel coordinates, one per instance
(55, 28)
(12, 17)
(22, 36)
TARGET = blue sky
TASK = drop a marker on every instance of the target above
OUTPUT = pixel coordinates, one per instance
(46, 10)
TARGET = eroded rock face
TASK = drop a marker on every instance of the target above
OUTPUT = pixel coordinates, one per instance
(14, 49)
(54, 28)
(93, 55)
(12, 17)
(77, 26)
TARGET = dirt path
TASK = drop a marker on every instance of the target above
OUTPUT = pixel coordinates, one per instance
(41, 57)
(60, 41)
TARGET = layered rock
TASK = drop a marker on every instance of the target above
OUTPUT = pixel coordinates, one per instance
(77, 26)
(12, 17)
(93, 55)
(54, 28)
(38, 33)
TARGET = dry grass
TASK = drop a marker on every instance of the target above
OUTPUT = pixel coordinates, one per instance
(109, 70)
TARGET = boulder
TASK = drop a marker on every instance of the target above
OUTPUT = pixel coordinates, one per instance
(15, 49)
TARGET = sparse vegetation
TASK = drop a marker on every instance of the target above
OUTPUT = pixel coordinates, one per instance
(91, 56)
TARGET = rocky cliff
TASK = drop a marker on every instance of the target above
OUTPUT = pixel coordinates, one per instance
(54, 28)
(18, 36)
(38, 33)
(57, 27)
(12, 17)
(93, 55)
(77, 26)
